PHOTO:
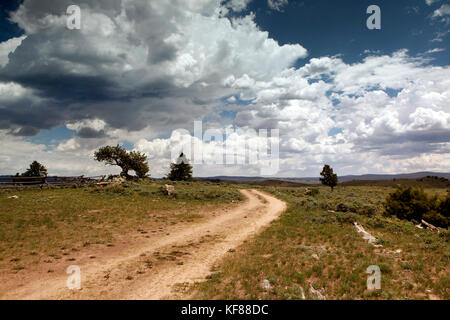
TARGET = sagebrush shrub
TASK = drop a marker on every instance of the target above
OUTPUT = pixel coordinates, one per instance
(408, 203)
(313, 192)
(411, 203)
(341, 207)
(444, 207)
(346, 217)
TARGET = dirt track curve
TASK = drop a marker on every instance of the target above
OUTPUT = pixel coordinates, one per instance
(156, 268)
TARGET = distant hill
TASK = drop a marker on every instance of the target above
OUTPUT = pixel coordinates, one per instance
(415, 175)
(426, 182)
(263, 182)
(425, 179)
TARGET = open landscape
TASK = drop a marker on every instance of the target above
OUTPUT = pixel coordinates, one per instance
(240, 158)
(216, 240)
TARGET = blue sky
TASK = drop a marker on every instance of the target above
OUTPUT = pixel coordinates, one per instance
(339, 27)
(134, 74)
(8, 30)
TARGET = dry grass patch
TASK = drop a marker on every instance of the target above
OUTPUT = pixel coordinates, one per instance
(311, 245)
(44, 224)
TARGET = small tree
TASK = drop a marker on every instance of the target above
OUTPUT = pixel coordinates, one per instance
(408, 203)
(329, 177)
(412, 203)
(127, 161)
(181, 170)
(35, 170)
(444, 206)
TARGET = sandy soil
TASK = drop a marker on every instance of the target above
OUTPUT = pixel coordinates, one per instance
(155, 267)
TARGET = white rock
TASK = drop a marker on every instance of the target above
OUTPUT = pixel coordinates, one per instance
(315, 293)
(367, 236)
(265, 285)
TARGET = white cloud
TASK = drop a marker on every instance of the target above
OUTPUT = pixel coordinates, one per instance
(277, 4)
(435, 50)
(151, 57)
(238, 5)
(16, 155)
(444, 10)
(147, 68)
(442, 14)
(430, 2)
(8, 47)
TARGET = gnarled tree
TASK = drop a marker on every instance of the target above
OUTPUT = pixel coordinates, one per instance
(127, 161)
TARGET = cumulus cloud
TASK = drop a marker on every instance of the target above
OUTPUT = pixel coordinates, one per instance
(393, 107)
(16, 154)
(138, 70)
(8, 47)
(443, 11)
(442, 14)
(153, 58)
(237, 5)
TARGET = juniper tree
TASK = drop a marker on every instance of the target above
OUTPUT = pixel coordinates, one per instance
(35, 170)
(181, 170)
(329, 179)
(127, 161)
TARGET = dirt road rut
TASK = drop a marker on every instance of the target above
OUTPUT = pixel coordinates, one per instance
(159, 268)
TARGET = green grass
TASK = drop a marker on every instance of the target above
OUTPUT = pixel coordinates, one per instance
(309, 244)
(43, 222)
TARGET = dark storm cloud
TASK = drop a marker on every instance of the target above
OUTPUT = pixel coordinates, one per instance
(411, 148)
(161, 52)
(68, 88)
(52, 77)
(429, 136)
(67, 96)
(133, 64)
(89, 133)
(31, 115)
(76, 75)
(26, 132)
(36, 10)
(412, 142)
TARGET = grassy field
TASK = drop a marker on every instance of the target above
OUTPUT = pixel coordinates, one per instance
(309, 245)
(314, 243)
(426, 182)
(43, 223)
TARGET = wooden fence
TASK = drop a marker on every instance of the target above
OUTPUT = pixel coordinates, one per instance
(40, 182)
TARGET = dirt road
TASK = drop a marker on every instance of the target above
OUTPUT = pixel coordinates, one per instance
(155, 268)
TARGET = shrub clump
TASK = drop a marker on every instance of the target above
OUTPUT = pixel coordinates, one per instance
(367, 210)
(346, 217)
(341, 207)
(116, 189)
(312, 192)
(413, 204)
